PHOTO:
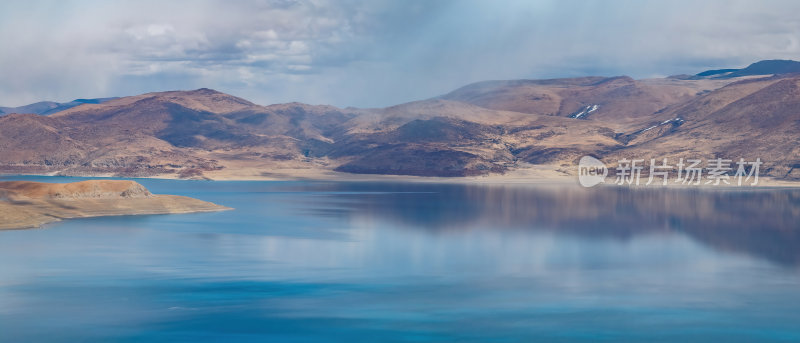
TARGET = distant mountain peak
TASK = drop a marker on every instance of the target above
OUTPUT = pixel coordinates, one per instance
(50, 107)
(765, 67)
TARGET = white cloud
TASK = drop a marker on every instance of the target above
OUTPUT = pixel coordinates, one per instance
(368, 52)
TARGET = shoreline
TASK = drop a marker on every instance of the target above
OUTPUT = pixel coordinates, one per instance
(35, 219)
(40, 224)
(25, 213)
(29, 205)
(38, 214)
(533, 176)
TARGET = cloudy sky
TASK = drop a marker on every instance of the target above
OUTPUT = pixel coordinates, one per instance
(368, 53)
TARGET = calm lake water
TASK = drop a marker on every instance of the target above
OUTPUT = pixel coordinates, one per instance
(410, 262)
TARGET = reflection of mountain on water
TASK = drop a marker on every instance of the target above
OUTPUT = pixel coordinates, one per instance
(759, 222)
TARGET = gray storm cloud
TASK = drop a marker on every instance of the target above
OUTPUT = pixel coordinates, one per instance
(370, 52)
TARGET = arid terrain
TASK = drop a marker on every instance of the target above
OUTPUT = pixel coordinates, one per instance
(25, 204)
(519, 127)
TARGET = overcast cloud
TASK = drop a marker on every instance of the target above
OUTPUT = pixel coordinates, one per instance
(368, 53)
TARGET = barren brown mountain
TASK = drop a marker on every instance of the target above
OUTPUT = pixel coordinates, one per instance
(749, 119)
(486, 128)
(614, 99)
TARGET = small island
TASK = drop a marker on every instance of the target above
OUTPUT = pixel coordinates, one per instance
(25, 204)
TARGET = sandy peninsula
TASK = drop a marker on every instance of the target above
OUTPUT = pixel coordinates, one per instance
(26, 204)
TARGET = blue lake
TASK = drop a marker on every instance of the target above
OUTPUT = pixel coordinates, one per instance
(413, 262)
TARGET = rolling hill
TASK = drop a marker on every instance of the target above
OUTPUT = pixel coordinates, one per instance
(492, 127)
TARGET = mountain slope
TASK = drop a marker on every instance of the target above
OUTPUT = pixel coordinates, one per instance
(750, 119)
(616, 100)
(200, 132)
(485, 128)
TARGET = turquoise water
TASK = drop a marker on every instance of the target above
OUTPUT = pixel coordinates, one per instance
(395, 262)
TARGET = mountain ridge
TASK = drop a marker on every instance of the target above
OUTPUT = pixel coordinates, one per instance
(492, 127)
(50, 107)
(765, 67)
